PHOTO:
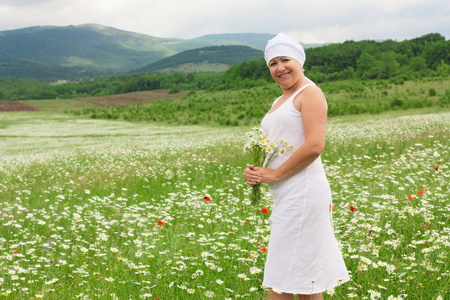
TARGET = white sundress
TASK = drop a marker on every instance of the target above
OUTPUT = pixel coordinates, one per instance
(303, 255)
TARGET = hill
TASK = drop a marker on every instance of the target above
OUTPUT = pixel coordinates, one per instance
(93, 47)
(208, 59)
(255, 40)
(425, 56)
(97, 49)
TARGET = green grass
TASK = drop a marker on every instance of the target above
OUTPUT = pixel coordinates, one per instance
(203, 67)
(81, 201)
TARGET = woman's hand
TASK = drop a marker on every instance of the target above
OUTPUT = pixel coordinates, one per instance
(251, 177)
(254, 175)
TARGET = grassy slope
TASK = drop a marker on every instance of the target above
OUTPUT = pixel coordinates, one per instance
(203, 67)
(247, 106)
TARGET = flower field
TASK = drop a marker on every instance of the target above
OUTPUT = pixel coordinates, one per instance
(95, 209)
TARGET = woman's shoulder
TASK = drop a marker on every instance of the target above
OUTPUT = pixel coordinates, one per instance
(308, 85)
(311, 90)
(313, 95)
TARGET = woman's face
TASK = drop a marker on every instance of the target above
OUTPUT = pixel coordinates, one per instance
(286, 71)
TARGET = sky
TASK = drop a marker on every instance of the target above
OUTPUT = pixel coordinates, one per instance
(314, 21)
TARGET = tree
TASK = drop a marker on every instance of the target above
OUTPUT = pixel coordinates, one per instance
(348, 73)
(430, 38)
(437, 52)
(417, 63)
(389, 65)
(443, 69)
(367, 66)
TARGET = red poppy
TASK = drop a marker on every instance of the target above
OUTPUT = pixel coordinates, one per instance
(264, 210)
(437, 167)
(206, 198)
(36, 159)
(410, 197)
(246, 223)
(264, 249)
(250, 256)
(16, 251)
(230, 233)
(425, 244)
(352, 208)
(160, 223)
(420, 192)
(331, 207)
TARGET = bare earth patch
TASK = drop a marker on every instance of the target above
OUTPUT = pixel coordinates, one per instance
(15, 106)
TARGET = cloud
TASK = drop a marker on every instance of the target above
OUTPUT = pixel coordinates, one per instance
(317, 21)
(22, 3)
(359, 20)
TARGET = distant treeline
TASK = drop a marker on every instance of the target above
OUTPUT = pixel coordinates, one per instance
(426, 56)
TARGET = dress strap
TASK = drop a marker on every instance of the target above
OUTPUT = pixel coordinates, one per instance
(295, 94)
(301, 89)
(304, 87)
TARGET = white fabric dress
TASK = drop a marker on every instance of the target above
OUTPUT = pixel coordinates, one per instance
(303, 255)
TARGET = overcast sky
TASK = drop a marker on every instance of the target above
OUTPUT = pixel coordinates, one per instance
(315, 21)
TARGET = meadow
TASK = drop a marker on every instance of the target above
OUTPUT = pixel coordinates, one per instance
(102, 209)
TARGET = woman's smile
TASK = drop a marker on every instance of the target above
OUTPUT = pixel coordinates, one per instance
(284, 74)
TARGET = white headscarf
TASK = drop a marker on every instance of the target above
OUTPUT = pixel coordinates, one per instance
(284, 45)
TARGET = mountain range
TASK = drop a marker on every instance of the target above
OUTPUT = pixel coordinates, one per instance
(92, 49)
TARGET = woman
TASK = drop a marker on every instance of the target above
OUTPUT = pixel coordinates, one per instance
(303, 256)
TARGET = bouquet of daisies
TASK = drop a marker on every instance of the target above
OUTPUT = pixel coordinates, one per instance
(263, 152)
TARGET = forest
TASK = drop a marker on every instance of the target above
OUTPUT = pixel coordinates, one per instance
(425, 56)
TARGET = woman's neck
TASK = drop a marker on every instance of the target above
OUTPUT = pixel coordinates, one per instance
(290, 91)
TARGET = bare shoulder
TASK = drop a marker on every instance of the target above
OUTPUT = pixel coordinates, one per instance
(310, 96)
(312, 92)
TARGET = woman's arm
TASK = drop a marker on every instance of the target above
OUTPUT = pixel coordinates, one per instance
(312, 105)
